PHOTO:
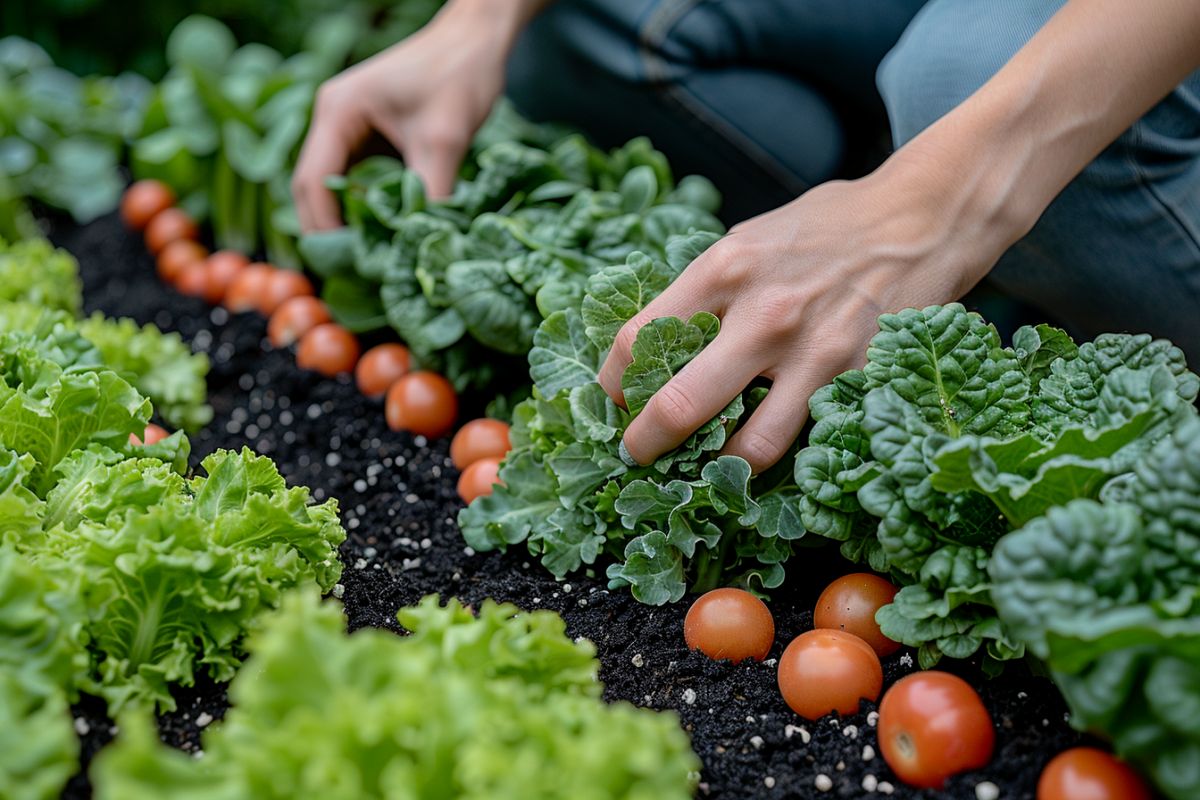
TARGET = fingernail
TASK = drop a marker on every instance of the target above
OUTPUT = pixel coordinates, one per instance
(623, 453)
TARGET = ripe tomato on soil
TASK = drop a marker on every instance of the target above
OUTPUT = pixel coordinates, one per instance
(380, 367)
(479, 479)
(933, 725)
(152, 435)
(169, 225)
(176, 256)
(423, 403)
(294, 318)
(284, 284)
(479, 438)
(329, 349)
(142, 200)
(849, 604)
(247, 287)
(193, 280)
(729, 623)
(223, 267)
(1086, 773)
(823, 671)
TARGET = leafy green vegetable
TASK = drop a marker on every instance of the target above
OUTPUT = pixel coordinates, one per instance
(946, 440)
(40, 749)
(692, 519)
(62, 137)
(535, 214)
(35, 272)
(503, 705)
(1108, 594)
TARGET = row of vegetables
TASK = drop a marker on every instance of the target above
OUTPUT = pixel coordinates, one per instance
(122, 575)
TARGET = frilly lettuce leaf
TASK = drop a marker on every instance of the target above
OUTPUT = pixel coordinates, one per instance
(465, 707)
(33, 271)
(41, 751)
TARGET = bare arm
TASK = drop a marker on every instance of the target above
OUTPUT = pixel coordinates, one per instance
(798, 289)
(426, 95)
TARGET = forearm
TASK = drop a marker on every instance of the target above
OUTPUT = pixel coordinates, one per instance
(504, 19)
(1004, 154)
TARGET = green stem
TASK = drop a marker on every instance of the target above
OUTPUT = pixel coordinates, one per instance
(711, 566)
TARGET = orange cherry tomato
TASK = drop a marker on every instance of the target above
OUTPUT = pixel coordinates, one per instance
(423, 403)
(1085, 773)
(933, 725)
(152, 435)
(169, 225)
(294, 318)
(380, 367)
(193, 280)
(177, 255)
(823, 671)
(223, 267)
(143, 200)
(247, 287)
(283, 285)
(729, 623)
(479, 479)
(329, 349)
(849, 604)
(479, 438)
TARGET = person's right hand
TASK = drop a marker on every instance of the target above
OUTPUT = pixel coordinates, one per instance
(426, 95)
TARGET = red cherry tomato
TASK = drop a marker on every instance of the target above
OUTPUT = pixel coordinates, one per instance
(479, 479)
(294, 318)
(933, 725)
(247, 287)
(176, 256)
(283, 285)
(380, 367)
(1085, 773)
(849, 604)
(143, 200)
(223, 267)
(479, 438)
(823, 671)
(329, 349)
(169, 225)
(193, 280)
(152, 435)
(423, 403)
(729, 623)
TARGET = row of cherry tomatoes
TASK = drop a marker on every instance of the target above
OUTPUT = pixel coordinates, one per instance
(931, 724)
(418, 401)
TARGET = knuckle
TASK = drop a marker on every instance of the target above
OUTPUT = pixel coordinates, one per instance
(623, 343)
(674, 411)
(759, 449)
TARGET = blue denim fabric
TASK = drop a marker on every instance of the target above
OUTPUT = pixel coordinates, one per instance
(761, 96)
(1119, 248)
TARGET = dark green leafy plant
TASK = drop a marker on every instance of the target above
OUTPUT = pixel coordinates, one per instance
(465, 282)
(691, 520)
(62, 137)
(947, 440)
(500, 706)
(1108, 595)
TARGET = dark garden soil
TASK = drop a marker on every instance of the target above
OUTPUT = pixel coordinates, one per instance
(399, 506)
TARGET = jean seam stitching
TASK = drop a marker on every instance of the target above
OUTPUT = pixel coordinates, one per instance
(651, 34)
(1143, 182)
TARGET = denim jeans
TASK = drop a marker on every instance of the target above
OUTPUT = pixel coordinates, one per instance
(769, 97)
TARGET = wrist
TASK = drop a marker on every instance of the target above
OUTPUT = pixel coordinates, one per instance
(499, 21)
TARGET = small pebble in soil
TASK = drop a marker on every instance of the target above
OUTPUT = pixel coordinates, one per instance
(870, 783)
(986, 790)
(769, 782)
(823, 782)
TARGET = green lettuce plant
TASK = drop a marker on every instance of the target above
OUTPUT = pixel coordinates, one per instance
(503, 705)
(692, 520)
(1107, 594)
(920, 462)
(466, 281)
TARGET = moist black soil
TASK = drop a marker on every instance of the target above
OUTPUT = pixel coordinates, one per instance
(398, 504)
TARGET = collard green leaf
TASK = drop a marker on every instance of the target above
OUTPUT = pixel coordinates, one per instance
(661, 349)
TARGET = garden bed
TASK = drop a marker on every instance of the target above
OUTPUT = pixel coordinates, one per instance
(399, 506)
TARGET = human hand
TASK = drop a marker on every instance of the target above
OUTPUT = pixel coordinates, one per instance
(798, 291)
(426, 95)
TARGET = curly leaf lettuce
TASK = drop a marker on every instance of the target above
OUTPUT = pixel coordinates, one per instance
(946, 440)
(692, 519)
(503, 705)
(1108, 595)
